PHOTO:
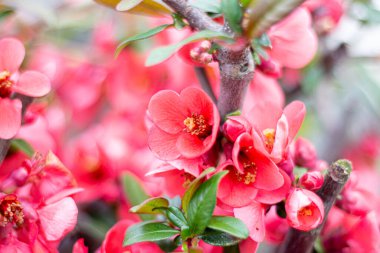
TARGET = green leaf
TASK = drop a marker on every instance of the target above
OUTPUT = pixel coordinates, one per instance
(160, 54)
(206, 5)
(150, 206)
(245, 3)
(178, 22)
(134, 191)
(229, 225)
(4, 13)
(185, 233)
(256, 58)
(140, 36)
(202, 204)
(318, 245)
(264, 41)
(299, 171)
(125, 5)
(176, 216)
(193, 186)
(234, 113)
(262, 14)
(217, 238)
(23, 146)
(233, 14)
(148, 232)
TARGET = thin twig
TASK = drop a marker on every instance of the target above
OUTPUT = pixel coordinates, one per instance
(298, 241)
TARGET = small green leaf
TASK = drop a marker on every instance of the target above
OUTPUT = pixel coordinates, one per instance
(217, 238)
(264, 41)
(233, 14)
(150, 206)
(318, 245)
(176, 216)
(193, 187)
(229, 225)
(140, 36)
(206, 5)
(185, 233)
(125, 5)
(23, 146)
(299, 171)
(245, 3)
(160, 54)
(256, 58)
(234, 113)
(202, 204)
(148, 232)
(134, 191)
(178, 22)
(4, 13)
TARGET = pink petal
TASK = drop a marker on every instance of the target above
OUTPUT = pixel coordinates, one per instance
(281, 140)
(291, 34)
(243, 141)
(166, 111)
(163, 144)
(79, 247)
(12, 53)
(253, 218)
(190, 146)
(275, 196)
(248, 246)
(295, 113)
(195, 100)
(265, 115)
(10, 117)
(232, 192)
(33, 84)
(58, 219)
(268, 175)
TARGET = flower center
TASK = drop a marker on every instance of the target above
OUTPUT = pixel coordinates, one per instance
(306, 211)
(269, 135)
(196, 125)
(5, 84)
(249, 175)
(11, 211)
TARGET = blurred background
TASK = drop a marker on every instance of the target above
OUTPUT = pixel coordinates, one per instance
(94, 118)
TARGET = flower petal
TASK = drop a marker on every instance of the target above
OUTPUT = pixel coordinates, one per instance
(253, 218)
(10, 117)
(268, 175)
(275, 196)
(295, 113)
(190, 146)
(12, 54)
(32, 83)
(265, 115)
(166, 111)
(58, 219)
(163, 144)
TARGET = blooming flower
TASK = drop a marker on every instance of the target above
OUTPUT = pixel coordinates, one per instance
(185, 124)
(304, 209)
(29, 83)
(274, 128)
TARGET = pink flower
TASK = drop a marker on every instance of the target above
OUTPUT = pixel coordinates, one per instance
(234, 126)
(312, 180)
(304, 209)
(289, 36)
(274, 129)
(79, 246)
(185, 124)
(29, 83)
(275, 227)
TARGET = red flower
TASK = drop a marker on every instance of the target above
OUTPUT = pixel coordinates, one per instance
(304, 209)
(30, 83)
(185, 124)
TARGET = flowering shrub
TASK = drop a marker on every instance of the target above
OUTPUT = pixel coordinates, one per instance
(220, 128)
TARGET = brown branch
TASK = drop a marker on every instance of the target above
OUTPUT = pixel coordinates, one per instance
(196, 18)
(235, 64)
(5, 144)
(302, 242)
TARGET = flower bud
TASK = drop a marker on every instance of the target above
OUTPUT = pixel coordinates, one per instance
(304, 209)
(312, 180)
(305, 154)
(270, 68)
(234, 126)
